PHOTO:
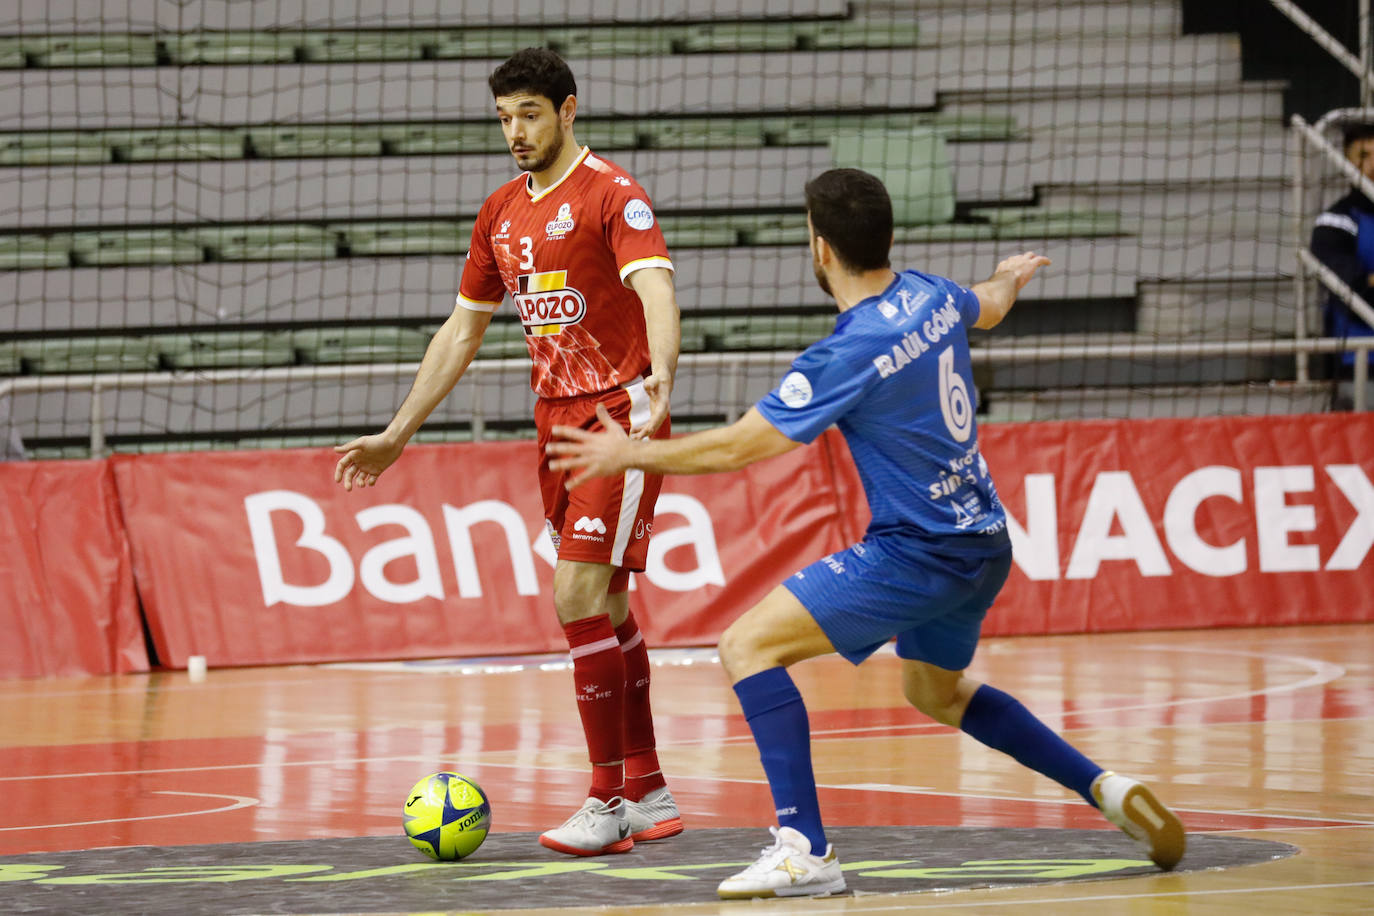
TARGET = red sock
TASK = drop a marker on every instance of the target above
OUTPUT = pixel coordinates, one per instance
(642, 774)
(599, 675)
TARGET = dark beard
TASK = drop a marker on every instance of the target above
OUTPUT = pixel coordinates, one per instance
(821, 279)
(540, 164)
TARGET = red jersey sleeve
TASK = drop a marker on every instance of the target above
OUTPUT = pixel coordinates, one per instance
(481, 287)
(632, 229)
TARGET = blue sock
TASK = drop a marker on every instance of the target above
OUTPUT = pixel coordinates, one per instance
(777, 717)
(1002, 723)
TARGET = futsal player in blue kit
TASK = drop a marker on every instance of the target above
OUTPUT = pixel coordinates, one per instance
(896, 378)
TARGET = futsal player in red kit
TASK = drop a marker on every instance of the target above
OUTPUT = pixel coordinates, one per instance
(574, 243)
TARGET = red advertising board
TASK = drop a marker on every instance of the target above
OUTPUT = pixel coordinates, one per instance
(1154, 524)
(67, 603)
(259, 557)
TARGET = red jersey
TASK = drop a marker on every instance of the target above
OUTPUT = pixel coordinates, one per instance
(564, 255)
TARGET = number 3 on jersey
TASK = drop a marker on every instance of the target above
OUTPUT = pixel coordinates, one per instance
(955, 405)
(526, 253)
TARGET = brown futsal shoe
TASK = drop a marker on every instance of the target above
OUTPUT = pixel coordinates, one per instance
(1131, 806)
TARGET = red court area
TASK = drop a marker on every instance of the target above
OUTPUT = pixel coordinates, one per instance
(1241, 730)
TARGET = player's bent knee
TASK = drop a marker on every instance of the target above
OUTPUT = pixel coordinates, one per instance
(942, 700)
(741, 654)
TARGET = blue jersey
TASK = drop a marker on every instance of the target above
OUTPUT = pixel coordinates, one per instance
(896, 378)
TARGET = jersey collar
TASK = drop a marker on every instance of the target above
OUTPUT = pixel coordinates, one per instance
(535, 198)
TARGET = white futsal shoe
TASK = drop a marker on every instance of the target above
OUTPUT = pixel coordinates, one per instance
(786, 869)
(597, 828)
(653, 817)
(1131, 805)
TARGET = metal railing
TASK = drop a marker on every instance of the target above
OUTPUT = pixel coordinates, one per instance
(732, 367)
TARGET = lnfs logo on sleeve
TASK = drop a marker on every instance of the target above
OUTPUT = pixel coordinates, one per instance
(638, 215)
(795, 390)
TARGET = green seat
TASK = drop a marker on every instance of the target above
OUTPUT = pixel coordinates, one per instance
(89, 354)
(12, 55)
(702, 133)
(266, 242)
(361, 344)
(315, 140)
(324, 47)
(134, 246)
(700, 231)
(735, 37)
(225, 349)
(174, 144)
(912, 164)
(18, 252)
(9, 359)
(406, 237)
(233, 47)
(468, 137)
(850, 35)
(772, 331)
(54, 148)
(1033, 222)
(111, 50)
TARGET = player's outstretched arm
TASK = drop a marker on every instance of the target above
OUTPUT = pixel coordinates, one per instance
(446, 358)
(997, 294)
(609, 451)
(662, 320)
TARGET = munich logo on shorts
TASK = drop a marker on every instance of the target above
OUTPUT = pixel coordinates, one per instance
(590, 525)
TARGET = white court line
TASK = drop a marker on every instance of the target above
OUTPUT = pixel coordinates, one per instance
(861, 787)
(858, 904)
(240, 801)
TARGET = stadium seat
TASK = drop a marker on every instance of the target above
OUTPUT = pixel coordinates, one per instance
(225, 349)
(302, 140)
(18, 252)
(134, 246)
(9, 359)
(63, 147)
(176, 143)
(912, 164)
(107, 50)
(89, 354)
(361, 344)
(266, 242)
(235, 47)
(409, 237)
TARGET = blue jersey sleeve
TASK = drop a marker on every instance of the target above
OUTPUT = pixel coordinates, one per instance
(966, 301)
(823, 385)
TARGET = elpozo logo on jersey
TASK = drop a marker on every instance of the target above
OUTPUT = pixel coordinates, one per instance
(561, 224)
(638, 215)
(546, 304)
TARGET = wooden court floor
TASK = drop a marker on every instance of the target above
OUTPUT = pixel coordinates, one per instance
(1265, 733)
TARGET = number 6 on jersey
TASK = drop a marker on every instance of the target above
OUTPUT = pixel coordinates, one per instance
(955, 405)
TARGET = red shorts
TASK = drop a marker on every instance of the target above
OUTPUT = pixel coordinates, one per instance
(607, 519)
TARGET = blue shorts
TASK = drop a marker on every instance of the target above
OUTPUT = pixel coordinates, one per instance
(888, 586)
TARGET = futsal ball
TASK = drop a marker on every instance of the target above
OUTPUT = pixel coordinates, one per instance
(446, 816)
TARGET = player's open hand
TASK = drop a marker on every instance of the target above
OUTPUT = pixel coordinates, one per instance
(1022, 267)
(364, 459)
(602, 453)
(659, 388)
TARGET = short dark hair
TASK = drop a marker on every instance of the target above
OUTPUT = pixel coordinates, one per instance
(535, 70)
(1356, 130)
(851, 210)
